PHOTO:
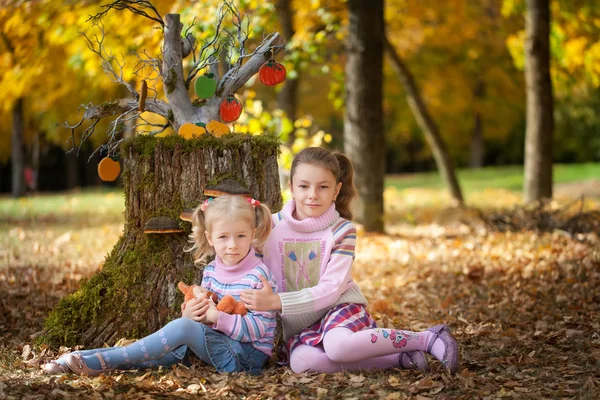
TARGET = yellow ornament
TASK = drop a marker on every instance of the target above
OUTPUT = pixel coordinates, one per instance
(217, 128)
(189, 130)
(108, 170)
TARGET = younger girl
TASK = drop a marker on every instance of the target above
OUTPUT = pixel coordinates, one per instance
(310, 253)
(227, 226)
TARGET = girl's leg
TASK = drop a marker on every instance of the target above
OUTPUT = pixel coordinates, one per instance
(379, 342)
(154, 349)
(314, 359)
(166, 361)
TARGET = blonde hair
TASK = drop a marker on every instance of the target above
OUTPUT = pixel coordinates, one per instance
(232, 208)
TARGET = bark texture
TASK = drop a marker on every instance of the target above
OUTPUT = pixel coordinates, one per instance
(363, 121)
(135, 292)
(540, 104)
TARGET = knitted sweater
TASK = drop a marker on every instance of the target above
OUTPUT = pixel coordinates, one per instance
(255, 327)
(311, 261)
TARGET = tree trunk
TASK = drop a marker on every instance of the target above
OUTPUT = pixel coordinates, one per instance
(287, 98)
(17, 156)
(363, 120)
(540, 108)
(72, 170)
(426, 123)
(135, 292)
(35, 160)
(477, 150)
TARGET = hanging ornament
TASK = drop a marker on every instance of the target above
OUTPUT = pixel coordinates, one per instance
(230, 109)
(108, 169)
(205, 86)
(189, 130)
(271, 73)
(143, 95)
(217, 128)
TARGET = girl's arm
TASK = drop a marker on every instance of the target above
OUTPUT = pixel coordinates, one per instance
(250, 327)
(331, 286)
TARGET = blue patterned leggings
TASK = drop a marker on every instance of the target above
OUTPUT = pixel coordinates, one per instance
(164, 347)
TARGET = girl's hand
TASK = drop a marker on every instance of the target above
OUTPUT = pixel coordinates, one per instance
(212, 314)
(195, 309)
(261, 299)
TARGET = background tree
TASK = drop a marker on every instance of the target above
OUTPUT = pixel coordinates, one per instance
(540, 109)
(363, 119)
(135, 291)
(430, 129)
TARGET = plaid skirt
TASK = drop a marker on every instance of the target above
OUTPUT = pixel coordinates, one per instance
(348, 315)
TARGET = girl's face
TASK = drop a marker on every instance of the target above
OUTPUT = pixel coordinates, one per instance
(231, 239)
(313, 188)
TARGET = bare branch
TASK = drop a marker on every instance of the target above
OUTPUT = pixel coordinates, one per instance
(211, 61)
(118, 107)
(236, 77)
(135, 6)
(162, 127)
(199, 61)
(97, 47)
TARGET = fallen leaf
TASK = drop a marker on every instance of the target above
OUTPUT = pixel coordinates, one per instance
(26, 352)
(424, 383)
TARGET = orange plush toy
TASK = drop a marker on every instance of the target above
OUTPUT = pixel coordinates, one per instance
(227, 304)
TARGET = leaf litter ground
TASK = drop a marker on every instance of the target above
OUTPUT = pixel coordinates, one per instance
(520, 288)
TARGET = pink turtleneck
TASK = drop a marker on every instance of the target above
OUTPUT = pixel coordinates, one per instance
(311, 261)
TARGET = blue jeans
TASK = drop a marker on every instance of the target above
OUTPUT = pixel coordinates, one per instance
(169, 345)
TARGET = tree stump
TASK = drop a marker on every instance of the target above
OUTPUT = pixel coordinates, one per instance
(135, 292)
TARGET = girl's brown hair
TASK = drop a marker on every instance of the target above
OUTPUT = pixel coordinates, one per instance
(231, 208)
(339, 165)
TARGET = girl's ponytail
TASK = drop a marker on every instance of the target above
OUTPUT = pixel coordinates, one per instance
(264, 223)
(202, 249)
(348, 191)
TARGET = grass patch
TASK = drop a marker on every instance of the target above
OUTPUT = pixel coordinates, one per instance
(507, 177)
(88, 207)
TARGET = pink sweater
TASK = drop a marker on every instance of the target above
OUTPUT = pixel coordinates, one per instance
(311, 261)
(255, 327)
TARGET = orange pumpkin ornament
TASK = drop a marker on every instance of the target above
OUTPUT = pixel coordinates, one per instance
(108, 169)
(230, 109)
(189, 130)
(271, 73)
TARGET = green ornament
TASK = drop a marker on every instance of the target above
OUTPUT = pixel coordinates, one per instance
(202, 124)
(205, 86)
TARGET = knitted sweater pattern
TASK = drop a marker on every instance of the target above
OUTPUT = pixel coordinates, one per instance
(311, 262)
(256, 327)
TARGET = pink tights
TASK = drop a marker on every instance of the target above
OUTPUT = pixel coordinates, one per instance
(344, 350)
(305, 357)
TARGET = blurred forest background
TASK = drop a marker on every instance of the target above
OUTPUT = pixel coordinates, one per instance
(467, 58)
(518, 281)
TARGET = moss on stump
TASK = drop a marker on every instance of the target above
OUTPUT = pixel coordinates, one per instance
(135, 292)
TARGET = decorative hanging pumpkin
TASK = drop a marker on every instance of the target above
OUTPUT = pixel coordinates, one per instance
(217, 128)
(108, 169)
(230, 109)
(205, 86)
(271, 73)
(189, 130)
